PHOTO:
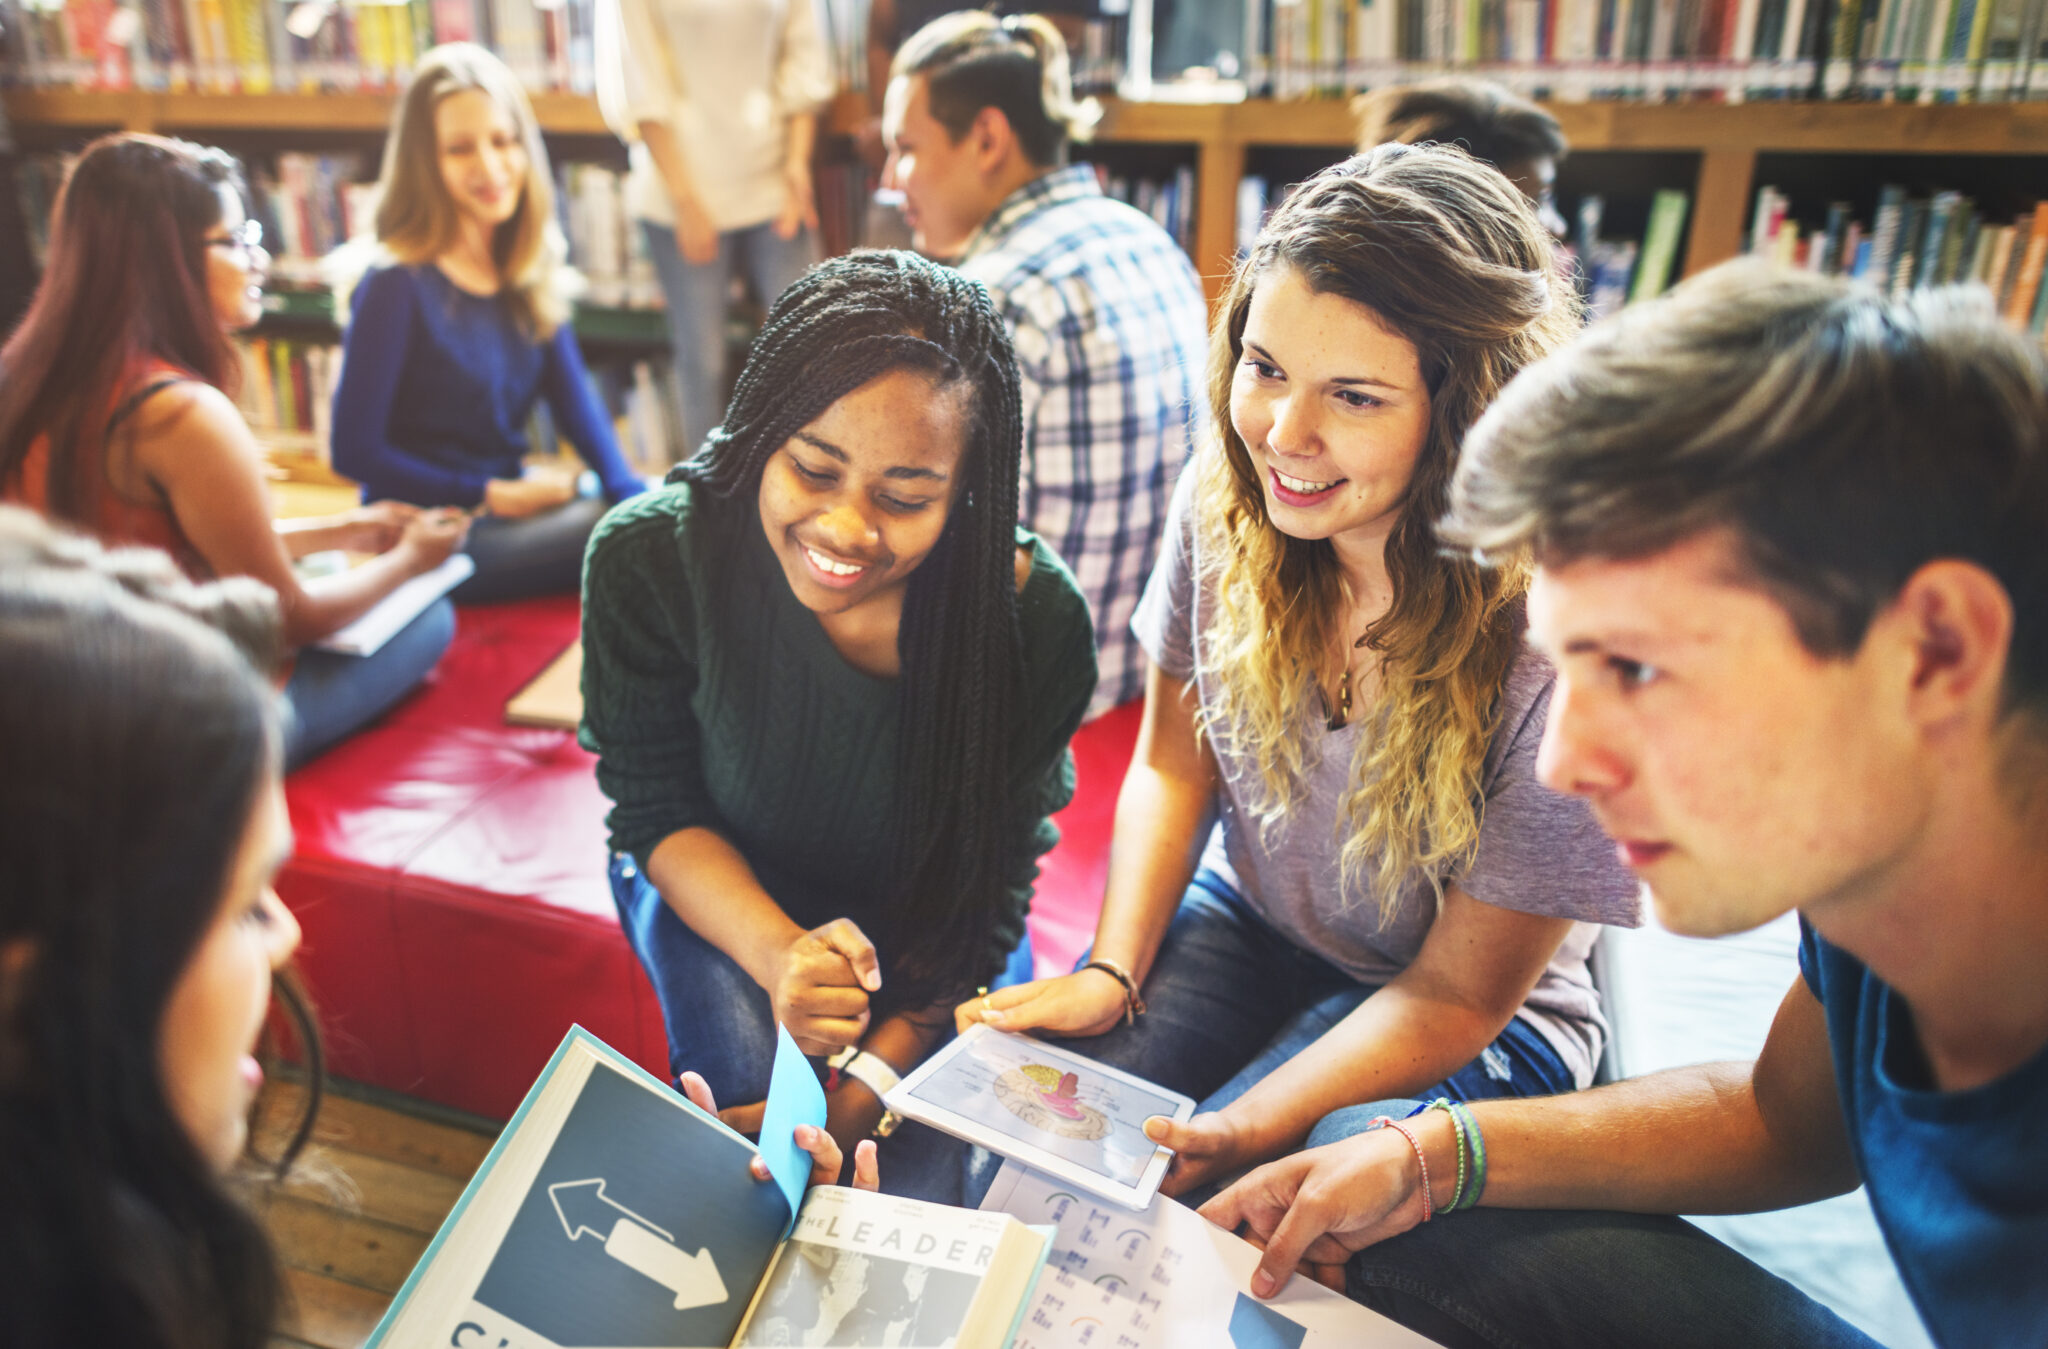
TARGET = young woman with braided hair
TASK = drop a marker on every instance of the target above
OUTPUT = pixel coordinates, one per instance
(831, 684)
(1389, 894)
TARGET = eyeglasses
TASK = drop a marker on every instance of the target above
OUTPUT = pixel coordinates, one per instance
(245, 240)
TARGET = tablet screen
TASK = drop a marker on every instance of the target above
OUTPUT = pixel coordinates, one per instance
(1042, 1098)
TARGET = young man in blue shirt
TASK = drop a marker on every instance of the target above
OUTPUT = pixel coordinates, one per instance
(1104, 307)
(1791, 565)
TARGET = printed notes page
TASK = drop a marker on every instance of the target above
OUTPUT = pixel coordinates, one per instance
(1166, 1279)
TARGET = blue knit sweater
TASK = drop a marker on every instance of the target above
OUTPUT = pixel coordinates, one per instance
(436, 388)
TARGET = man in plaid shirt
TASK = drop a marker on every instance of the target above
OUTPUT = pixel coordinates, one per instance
(1105, 309)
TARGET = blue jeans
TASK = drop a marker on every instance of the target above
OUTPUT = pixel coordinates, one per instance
(697, 295)
(331, 695)
(1230, 999)
(537, 555)
(721, 1025)
(1525, 1279)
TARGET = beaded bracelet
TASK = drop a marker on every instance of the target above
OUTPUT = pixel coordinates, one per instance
(1458, 1133)
(1428, 1200)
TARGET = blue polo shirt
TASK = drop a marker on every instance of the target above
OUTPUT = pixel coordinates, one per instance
(1958, 1179)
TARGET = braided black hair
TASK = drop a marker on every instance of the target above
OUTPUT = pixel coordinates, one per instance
(846, 322)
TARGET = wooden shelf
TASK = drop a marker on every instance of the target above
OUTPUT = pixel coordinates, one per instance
(1727, 137)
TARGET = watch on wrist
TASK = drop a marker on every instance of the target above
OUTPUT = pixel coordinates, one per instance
(874, 1073)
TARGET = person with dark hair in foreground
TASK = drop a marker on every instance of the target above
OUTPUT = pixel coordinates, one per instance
(141, 818)
(1483, 119)
(1104, 307)
(831, 685)
(1788, 544)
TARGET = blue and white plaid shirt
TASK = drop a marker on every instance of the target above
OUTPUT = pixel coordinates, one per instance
(1110, 326)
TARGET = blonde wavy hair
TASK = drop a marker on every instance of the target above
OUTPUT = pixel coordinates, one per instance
(416, 221)
(1448, 254)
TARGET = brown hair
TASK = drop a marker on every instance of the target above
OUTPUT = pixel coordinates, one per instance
(1846, 440)
(416, 222)
(1482, 118)
(1445, 252)
(125, 284)
(1017, 65)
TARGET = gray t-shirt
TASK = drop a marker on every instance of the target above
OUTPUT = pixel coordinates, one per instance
(1539, 851)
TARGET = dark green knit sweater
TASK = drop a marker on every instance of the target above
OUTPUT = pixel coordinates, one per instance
(714, 699)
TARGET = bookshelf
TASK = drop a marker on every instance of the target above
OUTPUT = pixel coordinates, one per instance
(1725, 139)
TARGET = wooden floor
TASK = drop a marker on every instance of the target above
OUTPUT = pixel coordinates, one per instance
(361, 1205)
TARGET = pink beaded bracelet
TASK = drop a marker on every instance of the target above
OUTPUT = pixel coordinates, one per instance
(1428, 1200)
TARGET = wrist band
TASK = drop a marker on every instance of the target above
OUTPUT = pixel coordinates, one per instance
(1477, 1142)
(1471, 1152)
(1428, 1200)
(1134, 1006)
(873, 1072)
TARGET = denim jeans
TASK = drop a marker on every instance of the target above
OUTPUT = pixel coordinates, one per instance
(721, 1025)
(1528, 1279)
(697, 295)
(1230, 999)
(537, 555)
(331, 696)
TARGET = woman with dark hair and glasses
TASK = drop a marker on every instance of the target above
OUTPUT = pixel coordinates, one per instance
(115, 417)
(831, 686)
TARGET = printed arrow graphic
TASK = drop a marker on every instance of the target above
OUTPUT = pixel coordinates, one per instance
(636, 1243)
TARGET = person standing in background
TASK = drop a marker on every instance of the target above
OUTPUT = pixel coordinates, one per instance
(1106, 311)
(719, 100)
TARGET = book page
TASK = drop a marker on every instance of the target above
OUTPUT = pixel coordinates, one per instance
(1167, 1279)
(874, 1269)
(382, 620)
(614, 1214)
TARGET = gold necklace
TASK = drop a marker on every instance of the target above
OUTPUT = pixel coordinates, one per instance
(1343, 716)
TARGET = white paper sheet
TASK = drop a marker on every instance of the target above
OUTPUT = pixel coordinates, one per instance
(1166, 1279)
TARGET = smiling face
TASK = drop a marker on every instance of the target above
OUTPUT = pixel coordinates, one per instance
(854, 501)
(236, 265)
(946, 194)
(482, 156)
(1332, 408)
(216, 1009)
(1740, 774)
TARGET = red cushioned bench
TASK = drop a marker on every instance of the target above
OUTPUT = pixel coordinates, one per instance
(450, 878)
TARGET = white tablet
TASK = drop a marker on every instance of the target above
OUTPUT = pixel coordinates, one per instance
(1049, 1108)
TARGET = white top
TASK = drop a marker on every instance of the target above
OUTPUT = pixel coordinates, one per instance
(726, 75)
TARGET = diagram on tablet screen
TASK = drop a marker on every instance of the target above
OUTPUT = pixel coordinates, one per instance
(1045, 1098)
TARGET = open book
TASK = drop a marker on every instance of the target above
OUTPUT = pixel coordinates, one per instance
(408, 600)
(612, 1212)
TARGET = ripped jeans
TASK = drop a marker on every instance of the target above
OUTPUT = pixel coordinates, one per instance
(1229, 1000)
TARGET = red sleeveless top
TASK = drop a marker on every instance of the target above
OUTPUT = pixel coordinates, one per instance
(115, 519)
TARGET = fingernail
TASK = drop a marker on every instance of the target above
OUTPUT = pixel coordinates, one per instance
(805, 1135)
(1262, 1284)
(873, 981)
(1155, 1128)
(993, 1018)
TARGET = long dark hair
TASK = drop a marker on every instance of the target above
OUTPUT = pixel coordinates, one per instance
(125, 283)
(138, 730)
(845, 323)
